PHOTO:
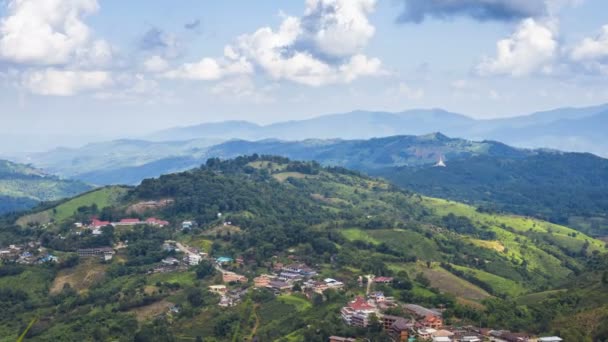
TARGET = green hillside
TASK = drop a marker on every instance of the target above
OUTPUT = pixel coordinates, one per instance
(101, 198)
(340, 222)
(22, 187)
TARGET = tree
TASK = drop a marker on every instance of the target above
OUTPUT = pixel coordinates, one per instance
(195, 296)
(204, 269)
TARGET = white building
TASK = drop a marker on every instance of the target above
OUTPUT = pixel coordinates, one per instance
(550, 339)
(193, 259)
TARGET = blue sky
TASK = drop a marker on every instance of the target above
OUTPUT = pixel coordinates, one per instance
(108, 68)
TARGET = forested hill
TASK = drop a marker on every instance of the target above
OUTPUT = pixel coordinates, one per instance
(474, 263)
(566, 188)
(22, 187)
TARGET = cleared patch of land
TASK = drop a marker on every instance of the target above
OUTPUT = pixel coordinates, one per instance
(145, 313)
(283, 176)
(80, 278)
(447, 282)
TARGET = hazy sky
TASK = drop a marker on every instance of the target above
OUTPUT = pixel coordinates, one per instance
(107, 68)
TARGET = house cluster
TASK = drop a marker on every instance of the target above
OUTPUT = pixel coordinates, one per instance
(320, 286)
(96, 225)
(29, 254)
(228, 297)
(423, 324)
(285, 277)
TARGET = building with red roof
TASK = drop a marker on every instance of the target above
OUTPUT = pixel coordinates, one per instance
(95, 223)
(383, 280)
(358, 312)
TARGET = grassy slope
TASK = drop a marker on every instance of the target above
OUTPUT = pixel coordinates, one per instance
(103, 198)
(517, 234)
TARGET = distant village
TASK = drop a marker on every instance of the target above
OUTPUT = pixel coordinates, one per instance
(420, 323)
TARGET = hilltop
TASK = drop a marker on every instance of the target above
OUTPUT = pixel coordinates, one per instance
(23, 187)
(273, 210)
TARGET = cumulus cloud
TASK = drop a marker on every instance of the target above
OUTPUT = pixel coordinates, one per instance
(533, 47)
(56, 82)
(210, 69)
(321, 47)
(50, 32)
(592, 49)
(337, 27)
(416, 11)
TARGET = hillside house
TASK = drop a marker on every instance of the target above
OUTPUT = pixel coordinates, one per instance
(377, 296)
(193, 259)
(152, 221)
(262, 281)
(421, 311)
(426, 333)
(441, 339)
(187, 225)
(383, 280)
(219, 289)
(127, 222)
(278, 285)
(105, 253)
(333, 283)
(170, 261)
(290, 276)
(432, 321)
(224, 260)
(97, 224)
(398, 328)
(229, 277)
(300, 269)
(357, 312)
(550, 339)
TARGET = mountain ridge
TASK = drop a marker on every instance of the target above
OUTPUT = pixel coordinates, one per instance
(522, 131)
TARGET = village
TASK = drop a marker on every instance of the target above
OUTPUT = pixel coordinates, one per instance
(368, 306)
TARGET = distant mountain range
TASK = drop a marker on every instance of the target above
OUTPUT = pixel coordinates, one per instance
(23, 187)
(568, 129)
(130, 161)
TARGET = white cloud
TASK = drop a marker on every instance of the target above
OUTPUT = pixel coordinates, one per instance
(49, 32)
(338, 27)
(592, 49)
(56, 82)
(297, 51)
(156, 64)
(210, 69)
(532, 48)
